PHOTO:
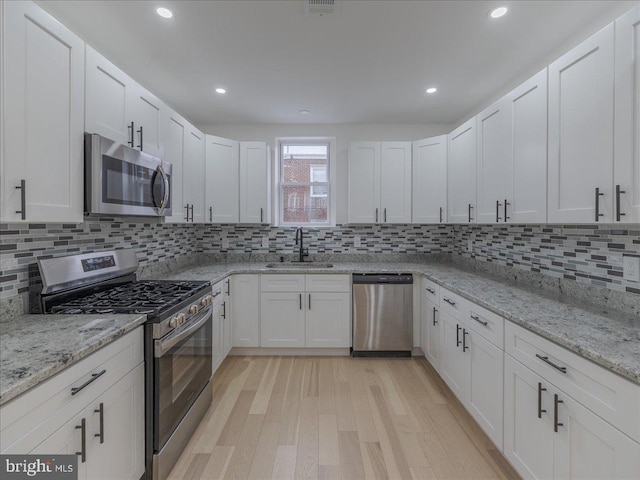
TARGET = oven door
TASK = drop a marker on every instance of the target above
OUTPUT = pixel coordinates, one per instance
(182, 368)
(125, 181)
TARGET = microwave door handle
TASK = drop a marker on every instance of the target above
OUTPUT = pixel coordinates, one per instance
(165, 197)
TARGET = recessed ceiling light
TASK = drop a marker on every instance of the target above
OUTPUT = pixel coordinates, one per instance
(432, 90)
(220, 90)
(498, 12)
(164, 12)
(304, 112)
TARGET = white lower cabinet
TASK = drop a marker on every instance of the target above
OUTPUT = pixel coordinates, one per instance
(431, 331)
(217, 326)
(305, 311)
(102, 423)
(550, 435)
(242, 304)
(454, 360)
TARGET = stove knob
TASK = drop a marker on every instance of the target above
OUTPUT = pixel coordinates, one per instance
(204, 302)
(174, 322)
(181, 318)
(208, 299)
(193, 309)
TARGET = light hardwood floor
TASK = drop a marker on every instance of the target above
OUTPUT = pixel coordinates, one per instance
(336, 418)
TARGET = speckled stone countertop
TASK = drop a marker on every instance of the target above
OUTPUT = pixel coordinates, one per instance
(36, 347)
(606, 336)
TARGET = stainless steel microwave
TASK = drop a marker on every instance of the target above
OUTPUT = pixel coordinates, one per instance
(120, 180)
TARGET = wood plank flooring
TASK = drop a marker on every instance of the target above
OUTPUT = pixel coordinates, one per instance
(336, 418)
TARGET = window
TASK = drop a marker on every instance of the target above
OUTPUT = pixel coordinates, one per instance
(304, 182)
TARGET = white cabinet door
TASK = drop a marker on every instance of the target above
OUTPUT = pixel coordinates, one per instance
(527, 152)
(254, 182)
(148, 113)
(244, 296)
(119, 452)
(193, 169)
(455, 371)
(282, 321)
(174, 139)
(461, 173)
(588, 447)
(328, 318)
(528, 421)
(67, 440)
(109, 92)
(217, 335)
(431, 333)
(364, 182)
(581, 86)
(222, 168)
(43, 117)
(491, 162)
(395, 182)
(627, 117)
(486, 385)
(429, 188)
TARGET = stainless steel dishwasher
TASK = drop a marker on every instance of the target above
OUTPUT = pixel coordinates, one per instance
(382, 314)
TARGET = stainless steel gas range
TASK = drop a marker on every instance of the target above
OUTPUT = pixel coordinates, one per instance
(177, 335)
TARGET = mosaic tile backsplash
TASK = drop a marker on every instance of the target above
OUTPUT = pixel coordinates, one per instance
(590, 254)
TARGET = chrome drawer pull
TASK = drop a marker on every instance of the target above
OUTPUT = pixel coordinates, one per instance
(477, 319)
(450, 302)
(83, 440)
(94, 377)
(430, 290)
(556, 423)
(540, 409)
(549, 362)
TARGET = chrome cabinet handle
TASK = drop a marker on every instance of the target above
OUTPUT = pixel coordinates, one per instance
(300, 300)
(549, 362)
(100, 410)
(131, 129)
(458, 328)
(228, 287)
(556, 403)
(477, 319)
(440, 214)
(464, 340)
(376, 215)
(187, 209)
(598, 195)
(23, 199)
(141, 142)
(498, 205)
(434, 316)
(450, 302)
(385, 214)
(470, 208)
(94, 377)
(210, 214)
(618, 211)
(261, 215)
(506, 217)
(83, 440)
(224, 310)
(430, 290)
(540, 409)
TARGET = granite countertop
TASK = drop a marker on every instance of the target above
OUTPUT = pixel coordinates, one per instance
(603, 335)
(36, 347)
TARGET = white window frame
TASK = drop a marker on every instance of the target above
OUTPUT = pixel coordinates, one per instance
(331, 174)
(311, 169)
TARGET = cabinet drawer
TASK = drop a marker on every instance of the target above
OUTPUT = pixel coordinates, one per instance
(431, 290)
(328, 283)
(453, 304)
(608, 395)
(282, 283)
(487, 324)
(218, 292)
(52, 404)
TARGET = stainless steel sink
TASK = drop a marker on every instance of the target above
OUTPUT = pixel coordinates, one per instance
(301, 265)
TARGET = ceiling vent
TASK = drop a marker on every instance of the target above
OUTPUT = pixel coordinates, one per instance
(320, 7)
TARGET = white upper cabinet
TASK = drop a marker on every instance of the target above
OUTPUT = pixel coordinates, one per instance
(174, 140)
(581, 98)
(222, 184)
(526, 200)
(255, 159)
(430, 180)
(364, 178)
(193, 182)
(627, 118)
(380, 182)
(148, 114)
(108, 99)
(491, 162)
(42, 117)
(461, 173)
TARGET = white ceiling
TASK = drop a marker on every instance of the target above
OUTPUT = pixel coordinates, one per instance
(370, 63)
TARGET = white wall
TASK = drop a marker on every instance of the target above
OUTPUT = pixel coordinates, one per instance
(344, 134)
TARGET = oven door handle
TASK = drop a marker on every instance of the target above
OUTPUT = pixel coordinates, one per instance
(163, 346)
